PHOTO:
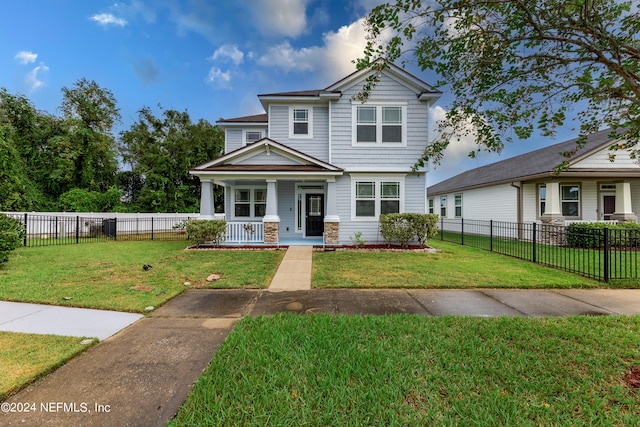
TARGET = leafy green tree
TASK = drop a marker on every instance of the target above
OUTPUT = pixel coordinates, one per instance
(517, 65)
(90, 114)
(160, 152)
(12, 233)
(79, 200)
(17, 191)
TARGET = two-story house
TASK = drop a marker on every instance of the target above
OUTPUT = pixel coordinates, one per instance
(321, 163)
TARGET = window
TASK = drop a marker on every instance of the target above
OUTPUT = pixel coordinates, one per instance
(252, 136)
(365, 199)
(542, 198)
(431, 206)
(458, 205)
(443, 206)
(375, 197)
(570, 200)
(390, 197)
(380, 124)
(301, 119)
(250, 203)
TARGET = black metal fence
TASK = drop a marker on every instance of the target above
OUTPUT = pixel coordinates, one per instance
(604, 254)
(50, 230)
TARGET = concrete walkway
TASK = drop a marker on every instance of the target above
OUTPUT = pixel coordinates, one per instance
(141, 375)
(294, 272)
(68, 321)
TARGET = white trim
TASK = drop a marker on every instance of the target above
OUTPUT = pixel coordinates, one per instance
(378, 105)
(377, 179)
(309, 109)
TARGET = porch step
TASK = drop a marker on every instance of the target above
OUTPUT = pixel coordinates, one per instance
(294, 272)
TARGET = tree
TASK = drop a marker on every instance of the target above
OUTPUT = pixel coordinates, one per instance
(90, 113)
(517, 65)
(160, 152)
(17, 191)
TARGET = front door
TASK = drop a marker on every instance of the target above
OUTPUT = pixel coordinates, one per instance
(608, 206)
(314, 215)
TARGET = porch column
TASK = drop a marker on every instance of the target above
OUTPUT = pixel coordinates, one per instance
(271, 219)
(331, 219)
(552, 212)
(624, 208)
(207, 209)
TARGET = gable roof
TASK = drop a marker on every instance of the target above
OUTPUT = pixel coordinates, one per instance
(531, 165)
(229, 161)
(256, 118)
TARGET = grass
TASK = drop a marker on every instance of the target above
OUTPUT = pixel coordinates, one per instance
(25, 357)
(109, 275)
(455, 266)
(416, 370)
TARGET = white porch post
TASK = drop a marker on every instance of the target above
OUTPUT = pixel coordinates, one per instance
(207, 209)
(552, 212)
(624, 208)
(331, 219)
(271, 219)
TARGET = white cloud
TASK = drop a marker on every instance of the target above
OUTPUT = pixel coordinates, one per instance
(228, 51)
(281, 17)
(333, 60)
(25, 57)
(106, 19)
(218, 78)
(33, 78)
(459, 147)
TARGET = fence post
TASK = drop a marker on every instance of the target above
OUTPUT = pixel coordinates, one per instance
(491, 235)
(25, 229)
(534, 247)
(606, 254)
(151, 228)
(77, 228)
(462, 231)
(441, 228)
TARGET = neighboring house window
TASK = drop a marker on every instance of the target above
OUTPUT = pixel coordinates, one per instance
(381, 124)
(542, 198)
(301, 122)
(443, 206)
(570, 200)
(375, 197)
(252, 136)
(431, 206)
(458, 205)
(249, 202)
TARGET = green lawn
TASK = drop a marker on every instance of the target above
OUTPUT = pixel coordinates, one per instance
(455, 266)
(26, 357)
(109, 275)
(417, 370)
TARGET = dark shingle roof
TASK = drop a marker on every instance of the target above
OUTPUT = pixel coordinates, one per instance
(257, 118)
(542, 161)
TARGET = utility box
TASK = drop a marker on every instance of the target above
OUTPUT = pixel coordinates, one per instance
(109, 227)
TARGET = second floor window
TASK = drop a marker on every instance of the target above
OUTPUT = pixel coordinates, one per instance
(300, 121)
(252, 136)
(379, 124)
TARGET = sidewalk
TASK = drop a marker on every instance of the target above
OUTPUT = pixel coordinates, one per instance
(294, 272)
(142, 375)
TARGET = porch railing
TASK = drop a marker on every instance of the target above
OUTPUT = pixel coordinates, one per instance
(245, 232)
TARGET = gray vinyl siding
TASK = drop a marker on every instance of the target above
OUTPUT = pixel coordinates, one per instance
(318, 146)
(233, 139)
(286, 209)
(345, 155)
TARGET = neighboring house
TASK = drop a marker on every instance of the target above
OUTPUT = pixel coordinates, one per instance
(322, 163)
(525, 188)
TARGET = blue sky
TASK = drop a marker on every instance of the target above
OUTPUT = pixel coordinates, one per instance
(209, 57)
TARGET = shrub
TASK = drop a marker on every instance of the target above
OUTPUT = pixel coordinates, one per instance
(590, 235)
(200, 231)
(12, 233)
(405, 227)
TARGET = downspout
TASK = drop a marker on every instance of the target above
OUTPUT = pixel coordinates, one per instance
(518, 188)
